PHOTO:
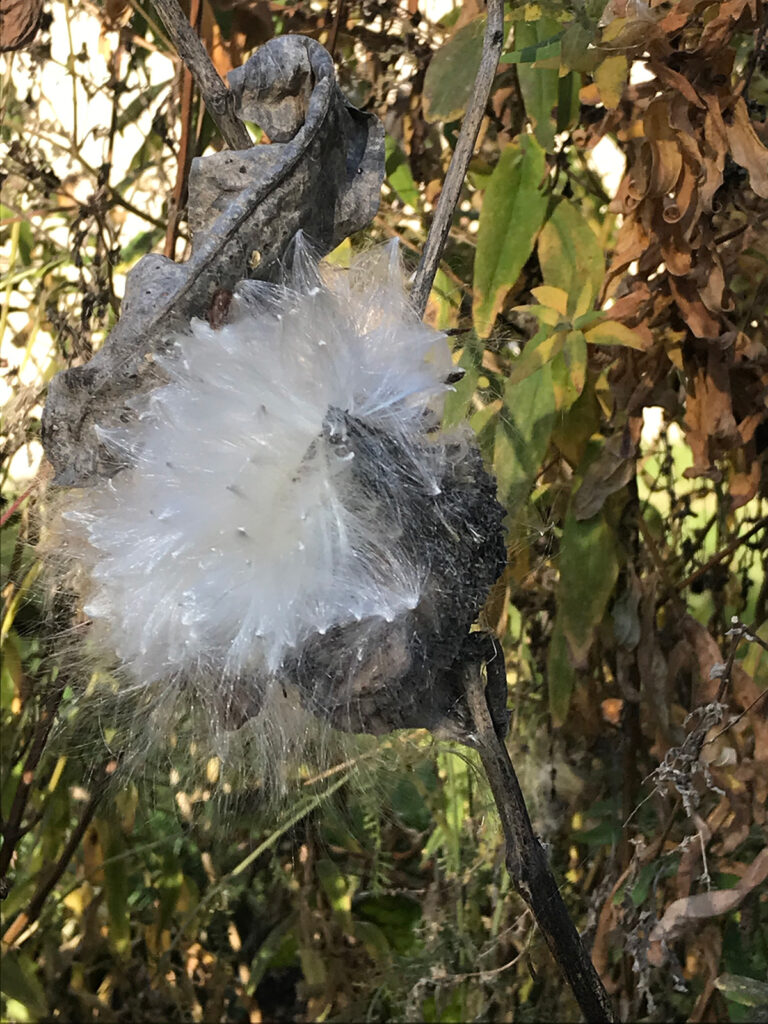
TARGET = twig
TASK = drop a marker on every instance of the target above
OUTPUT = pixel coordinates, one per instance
(15, 504)
(527, 862)
(738, 718)
(761, 524)
(454, 179)
(185, 145)
(13, 830)
(333, 37)
(217, 97)
(749, 70)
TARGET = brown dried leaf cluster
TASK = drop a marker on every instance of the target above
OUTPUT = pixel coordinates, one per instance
(722, 777)
(694, 231)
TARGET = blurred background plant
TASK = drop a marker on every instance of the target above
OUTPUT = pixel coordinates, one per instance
(606, 275)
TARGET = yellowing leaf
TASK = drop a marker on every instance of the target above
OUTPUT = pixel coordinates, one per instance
(610, 78)
(584, 301)
(544, 314)
(569, 370)
(533, 357)
(613, 29)
(510, 220)
(571, 256)
(575, 355)
(554, 298)
(611, 332)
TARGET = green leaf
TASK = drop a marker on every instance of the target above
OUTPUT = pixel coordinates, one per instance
(374, 940)
(18, 981)
(743, 990)
(399, 173)
(642, 886)
(588, 572)
(136, 107)
(578, 51)
(522, 435)
(397, 916)
(450, 76)
(510, 220)
(456, 406)
(573, 430)
(11, 672)
(141, 244)
(535, 51)
(116, 887)
(610, 78)
(561, 676)
(568, 104)
(338, 890)
(571, 256)
(539, 86)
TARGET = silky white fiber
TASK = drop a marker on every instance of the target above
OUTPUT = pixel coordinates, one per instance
(240, 525)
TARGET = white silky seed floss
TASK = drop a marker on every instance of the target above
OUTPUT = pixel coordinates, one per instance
(236, 530)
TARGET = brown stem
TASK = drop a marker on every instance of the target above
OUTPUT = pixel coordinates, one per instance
(13, 830)
(493, 42)
(527, 862)
(761, 524)
(333, 37)
(757, 50)
(217, 97)
(41, 894)
(185, 145)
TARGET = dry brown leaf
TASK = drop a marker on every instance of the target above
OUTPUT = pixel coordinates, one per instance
(707, 656)
(612, 470)
(718, 31)
(675, 80)
(688, 911)
(675, 251)
(713, 153)
(18, 23)
(747, 149)
(707, 948)
(693, 310)
(714, 292)
(629, 306)
(667, 157)
(742, 487)
(651, 662)
(116, 13)
(747, 693)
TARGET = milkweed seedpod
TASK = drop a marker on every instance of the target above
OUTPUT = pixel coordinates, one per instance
(289, 529)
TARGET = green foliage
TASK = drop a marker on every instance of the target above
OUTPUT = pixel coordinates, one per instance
(509, 224)
(451, 73)
(379, 891)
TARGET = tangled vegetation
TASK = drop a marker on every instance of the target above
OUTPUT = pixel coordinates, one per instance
(614, 335)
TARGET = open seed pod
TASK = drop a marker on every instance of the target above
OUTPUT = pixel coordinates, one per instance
(268, 518)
